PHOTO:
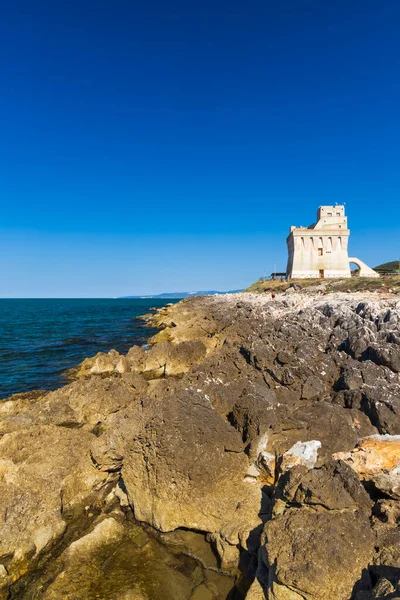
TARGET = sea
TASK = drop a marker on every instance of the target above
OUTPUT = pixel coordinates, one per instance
(41, 339)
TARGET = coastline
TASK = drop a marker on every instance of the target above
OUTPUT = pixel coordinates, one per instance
(240, 402)
(42, 339)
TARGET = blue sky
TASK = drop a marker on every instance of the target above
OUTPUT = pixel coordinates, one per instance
(160, 146)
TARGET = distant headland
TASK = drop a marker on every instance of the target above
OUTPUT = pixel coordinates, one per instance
(167, 295)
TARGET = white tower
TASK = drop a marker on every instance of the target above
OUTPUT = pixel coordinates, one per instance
(320, 250)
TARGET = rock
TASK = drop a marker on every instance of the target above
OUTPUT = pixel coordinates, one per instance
(383, 590)
(334, 427)
(387, 355)
(90, 401)
(46, 480)
(381, 403)
(166, 359)
(304, 566)
(376, 460)
(333, 486)
(226, 426)
(101, 363)
(312, 387)
(302, 453)
(385, 522)
(301, 564)
(387, 512)
(184, 466)
(120, 560)
(255, 592)
(350, 378)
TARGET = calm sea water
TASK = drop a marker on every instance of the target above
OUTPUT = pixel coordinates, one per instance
(40, 339)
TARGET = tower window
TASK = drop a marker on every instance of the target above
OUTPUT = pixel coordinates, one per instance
(320, 251)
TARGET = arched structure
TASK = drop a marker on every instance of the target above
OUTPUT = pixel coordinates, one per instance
(365, 270)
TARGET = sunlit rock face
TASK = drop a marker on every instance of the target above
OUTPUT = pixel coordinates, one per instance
(376, 460)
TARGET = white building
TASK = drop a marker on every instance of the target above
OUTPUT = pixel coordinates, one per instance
(320, 250)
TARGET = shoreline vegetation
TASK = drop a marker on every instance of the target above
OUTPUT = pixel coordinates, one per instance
(387, 284)
(219, 461)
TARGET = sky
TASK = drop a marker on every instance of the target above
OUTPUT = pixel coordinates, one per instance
(168, 146)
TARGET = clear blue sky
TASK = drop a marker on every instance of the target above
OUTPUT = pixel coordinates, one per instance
(168, 145)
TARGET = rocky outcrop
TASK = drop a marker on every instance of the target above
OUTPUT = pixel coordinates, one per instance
(319, 538)
(164, 360)
(376, 460)
(270, 428)
(49, 488)
(183, 465)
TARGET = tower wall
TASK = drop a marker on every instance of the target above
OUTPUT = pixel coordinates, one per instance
(321, 249)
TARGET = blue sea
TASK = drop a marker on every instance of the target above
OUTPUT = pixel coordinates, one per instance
(40, 339)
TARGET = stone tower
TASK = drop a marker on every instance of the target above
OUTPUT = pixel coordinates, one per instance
(320, 250)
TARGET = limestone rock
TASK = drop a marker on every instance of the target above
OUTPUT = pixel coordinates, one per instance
(302, 453)
(101, 363)
(334, 427)
(255, 592)
(386, 354)
(318, 553)
(304, 565)
(184, 466)
(46, 480)
(119, 560)
(385, 523)
(376, 460)
(190, 434)
(166, 359)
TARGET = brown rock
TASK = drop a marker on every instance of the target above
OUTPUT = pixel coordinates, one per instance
(184, 466)
(316, 554)
(319, 539)
(48, 484)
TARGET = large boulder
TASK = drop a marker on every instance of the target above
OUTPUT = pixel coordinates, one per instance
(319, 540)
(49, 488)
(183, 466)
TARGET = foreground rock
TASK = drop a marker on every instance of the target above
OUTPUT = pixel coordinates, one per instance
(124, 561)
(183, 465)
(319, 539)
(49, 488)
(269, 428)
(376, 460)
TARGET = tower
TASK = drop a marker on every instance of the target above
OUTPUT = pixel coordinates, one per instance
(320, 250)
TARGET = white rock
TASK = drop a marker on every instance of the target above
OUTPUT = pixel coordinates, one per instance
(302, 453)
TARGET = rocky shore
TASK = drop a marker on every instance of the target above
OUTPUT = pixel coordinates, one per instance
(253, 451)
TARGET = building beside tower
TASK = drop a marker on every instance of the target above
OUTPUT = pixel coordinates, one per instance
(321, 250)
